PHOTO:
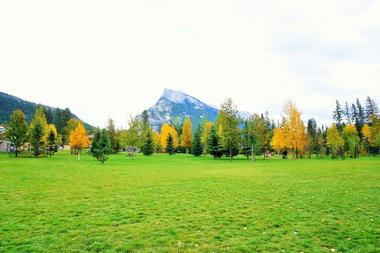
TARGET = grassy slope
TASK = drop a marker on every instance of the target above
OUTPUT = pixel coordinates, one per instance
(186, 204)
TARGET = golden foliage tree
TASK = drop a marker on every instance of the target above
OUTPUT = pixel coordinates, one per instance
(206, 134)
(78, 139)
(334, 141)
(187, 134)
(157, 142)
(292, 132)
(369, 135)
(351, 138)
(278, 141)
(165, 131)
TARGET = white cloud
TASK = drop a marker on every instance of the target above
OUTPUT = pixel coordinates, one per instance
(112, 59)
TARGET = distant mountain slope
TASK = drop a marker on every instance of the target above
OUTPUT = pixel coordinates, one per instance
(174, 106)
(9, 103)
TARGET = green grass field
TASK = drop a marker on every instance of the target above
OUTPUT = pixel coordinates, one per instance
(187, 204)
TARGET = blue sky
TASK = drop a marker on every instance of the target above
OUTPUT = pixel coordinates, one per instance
(113, 58)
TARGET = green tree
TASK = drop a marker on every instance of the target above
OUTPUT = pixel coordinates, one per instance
(103, 146)
(260, 135)
(49, 115)
(347, 113)
(214, 147)
(197, 148)
(17, 130)
(37, 131)
(246, 140)
(170, 145)
(37, 139)
(371, 110)
(144, 127)
(94, 150)
(113, 136)
(312, 132)
(228, 118)
(338, 116)
(133, 139)
(52, 146)
(360, 117)
(148, 146)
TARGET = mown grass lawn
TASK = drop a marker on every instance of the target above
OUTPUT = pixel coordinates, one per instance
(187, 204)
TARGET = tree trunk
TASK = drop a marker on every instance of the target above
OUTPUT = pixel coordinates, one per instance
(230, 154)
(252, 151)
(78, 155)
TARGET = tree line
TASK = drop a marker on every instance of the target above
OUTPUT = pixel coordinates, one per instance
(355, 131)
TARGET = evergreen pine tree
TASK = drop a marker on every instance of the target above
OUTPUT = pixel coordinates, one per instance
(113, 136)
(52, 143)
(169, 145)
(371, 110)
(360, 117)
(338, 116)
(145, 121)
(37, 139)
(17, 130)
(197, 148)
(347, 113)
(246, 141)
(104, 146)
(94, 150)
(145, 127)
(38, 131)
(312, 131)
(213, 144)
(148, 146)
(49, 115)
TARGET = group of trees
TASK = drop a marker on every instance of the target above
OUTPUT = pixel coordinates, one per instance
(223, 137)
(356, 130)
(40, 137)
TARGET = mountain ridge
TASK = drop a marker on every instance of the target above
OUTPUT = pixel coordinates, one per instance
(10, 103)
(174, 106)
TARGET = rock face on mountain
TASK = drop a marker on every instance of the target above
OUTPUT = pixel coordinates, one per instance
(175, 106)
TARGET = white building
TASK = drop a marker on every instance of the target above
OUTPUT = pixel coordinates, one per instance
(4, 144)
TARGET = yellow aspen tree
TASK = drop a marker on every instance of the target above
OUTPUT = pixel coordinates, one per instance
(206, 134)
(165, 131)
(296, 131)
(369, 135)
(175, 136)
(334, 141)
(187, 135)
(157, 142)
(78, 139)
(278, 139)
